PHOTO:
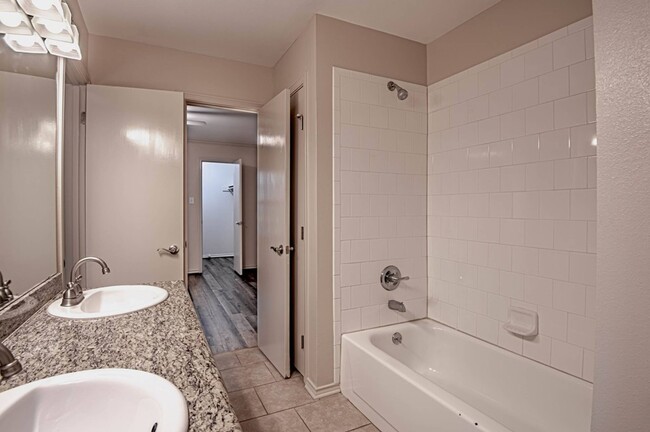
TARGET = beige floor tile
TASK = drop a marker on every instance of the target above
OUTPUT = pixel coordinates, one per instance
(283, 421)
(250, 356)
(246, 404)
(283, 395)
(226, 360)
(332, 414)
(367, 428)
(274, 372)
(244, 377)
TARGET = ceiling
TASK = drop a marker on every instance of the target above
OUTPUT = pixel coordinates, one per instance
(260, 31)
(222, 125)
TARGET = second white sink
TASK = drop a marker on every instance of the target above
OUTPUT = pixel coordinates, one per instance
(110, 301)
(101, 400)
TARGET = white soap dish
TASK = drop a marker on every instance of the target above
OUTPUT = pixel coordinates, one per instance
(522, 322)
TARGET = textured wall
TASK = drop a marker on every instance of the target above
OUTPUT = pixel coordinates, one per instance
(622, 378)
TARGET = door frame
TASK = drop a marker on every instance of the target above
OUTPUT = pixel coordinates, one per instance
(205, 101)
(312, 355)
(201, 162)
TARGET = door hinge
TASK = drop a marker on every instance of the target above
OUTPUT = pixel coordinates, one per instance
(302, 341)
(302, 233)
(82, 118)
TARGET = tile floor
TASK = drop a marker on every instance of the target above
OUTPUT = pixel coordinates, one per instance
(265, 402)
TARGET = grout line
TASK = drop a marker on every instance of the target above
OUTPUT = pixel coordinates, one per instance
(261, 401)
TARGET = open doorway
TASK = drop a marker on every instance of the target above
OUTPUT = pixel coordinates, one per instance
(221, 213)
(226, 297)
(221, 224)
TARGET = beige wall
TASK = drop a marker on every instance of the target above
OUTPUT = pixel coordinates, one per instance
(122, 63)
(325, 43)
(298, 65)
(622, 374)
(298, 61)
(220, 152)
(356, 48)
(504, 26)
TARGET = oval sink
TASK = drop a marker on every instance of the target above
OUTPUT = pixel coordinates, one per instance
(110, 301)
(102, 400)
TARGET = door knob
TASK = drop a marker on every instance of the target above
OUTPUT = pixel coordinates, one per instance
(172, 250)
(278, 250)
(238, 223)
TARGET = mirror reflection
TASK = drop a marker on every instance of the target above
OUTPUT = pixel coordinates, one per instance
(27, 169)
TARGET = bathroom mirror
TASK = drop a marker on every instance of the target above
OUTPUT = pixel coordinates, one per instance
(28, 251)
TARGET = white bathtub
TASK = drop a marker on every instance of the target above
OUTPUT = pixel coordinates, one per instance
(439, 379)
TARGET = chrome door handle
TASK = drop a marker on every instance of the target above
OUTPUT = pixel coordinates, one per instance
(278, 250)
(172, 250)
(238, 223)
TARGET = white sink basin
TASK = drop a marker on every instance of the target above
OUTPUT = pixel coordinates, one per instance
(110, 301)
(102, 400)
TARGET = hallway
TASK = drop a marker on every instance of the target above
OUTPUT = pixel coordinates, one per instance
(226, 304)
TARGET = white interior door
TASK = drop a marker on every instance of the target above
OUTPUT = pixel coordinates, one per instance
(273, 200)
(134, 184)
(238, 218)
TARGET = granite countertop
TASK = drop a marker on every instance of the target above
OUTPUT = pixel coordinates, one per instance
(166, 340)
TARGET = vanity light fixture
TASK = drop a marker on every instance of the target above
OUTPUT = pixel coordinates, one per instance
(13, 20)
(51, 20)
(58, 30)
(30, 44)
(50, 9)
(69, 50)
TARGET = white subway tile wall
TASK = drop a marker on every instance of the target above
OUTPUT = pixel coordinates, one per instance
(512, 199)
(380, 200)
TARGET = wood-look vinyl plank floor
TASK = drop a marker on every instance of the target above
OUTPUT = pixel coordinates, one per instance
(226, 304)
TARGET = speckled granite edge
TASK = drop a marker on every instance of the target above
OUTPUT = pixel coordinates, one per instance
(166, 340)
(13, 316)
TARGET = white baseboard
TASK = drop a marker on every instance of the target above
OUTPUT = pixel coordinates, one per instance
(226, 255)
(322, 391)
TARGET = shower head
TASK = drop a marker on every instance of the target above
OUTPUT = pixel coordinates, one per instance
(401, 92)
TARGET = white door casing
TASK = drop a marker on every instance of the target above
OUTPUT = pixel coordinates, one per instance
(273, 217)
(238, 218)
(298, 222)
(134, 184)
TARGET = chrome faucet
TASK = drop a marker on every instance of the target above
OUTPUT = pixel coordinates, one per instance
(5, 292)
(73, 295)
(9, 366)
(396, 306)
